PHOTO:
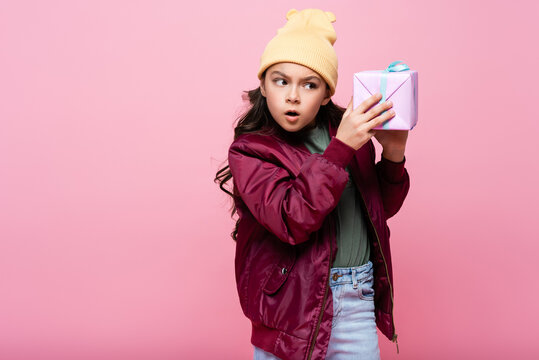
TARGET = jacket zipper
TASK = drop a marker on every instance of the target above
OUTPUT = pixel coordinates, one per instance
(325, 295)
(394, 339)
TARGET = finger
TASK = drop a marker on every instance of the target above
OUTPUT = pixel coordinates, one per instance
(384, 117)
(379, 109)
(368, 103)
(379, 120)
(349, 108)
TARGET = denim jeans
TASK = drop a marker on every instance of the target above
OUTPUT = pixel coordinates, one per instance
(353, 331)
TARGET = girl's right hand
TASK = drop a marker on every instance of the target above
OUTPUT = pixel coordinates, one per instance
(356, 125)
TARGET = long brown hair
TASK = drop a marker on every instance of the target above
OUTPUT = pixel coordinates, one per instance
(257, 119)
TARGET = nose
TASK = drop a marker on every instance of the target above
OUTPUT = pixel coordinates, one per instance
(293, 95)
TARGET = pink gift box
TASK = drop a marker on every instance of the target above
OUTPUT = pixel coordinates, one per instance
(397, 83)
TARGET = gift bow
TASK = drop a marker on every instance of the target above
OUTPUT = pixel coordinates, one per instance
(395, 66)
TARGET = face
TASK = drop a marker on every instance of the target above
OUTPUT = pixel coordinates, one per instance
(294, 94)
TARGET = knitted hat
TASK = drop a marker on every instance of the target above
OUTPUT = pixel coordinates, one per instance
(306, 39)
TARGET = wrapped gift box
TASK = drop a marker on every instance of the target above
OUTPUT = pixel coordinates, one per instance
(396, 83)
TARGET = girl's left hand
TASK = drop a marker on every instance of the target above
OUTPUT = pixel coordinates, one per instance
(393, 142)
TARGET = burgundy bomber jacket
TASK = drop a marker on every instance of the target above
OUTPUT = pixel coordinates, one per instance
(286, 240)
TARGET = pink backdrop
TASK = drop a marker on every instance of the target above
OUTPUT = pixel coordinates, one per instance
(115, 116)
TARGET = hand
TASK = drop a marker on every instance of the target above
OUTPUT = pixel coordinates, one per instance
(393, 142)
(356, 127)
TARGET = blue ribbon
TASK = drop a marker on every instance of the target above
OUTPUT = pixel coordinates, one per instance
(395, 66)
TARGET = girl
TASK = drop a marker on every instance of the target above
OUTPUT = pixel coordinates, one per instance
(312, 263)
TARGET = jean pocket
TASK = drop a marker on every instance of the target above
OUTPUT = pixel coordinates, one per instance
(366, 292)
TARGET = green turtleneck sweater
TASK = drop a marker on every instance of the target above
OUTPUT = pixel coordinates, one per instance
(352, 238)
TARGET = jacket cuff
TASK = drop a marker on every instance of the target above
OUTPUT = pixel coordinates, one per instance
(339, 153)
(392, 171)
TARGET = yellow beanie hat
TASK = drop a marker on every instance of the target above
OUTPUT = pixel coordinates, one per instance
(306, 39)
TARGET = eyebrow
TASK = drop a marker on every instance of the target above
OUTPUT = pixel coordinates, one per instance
(286, 76)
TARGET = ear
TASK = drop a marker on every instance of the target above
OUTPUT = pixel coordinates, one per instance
(331, 16)
(290, 13)
(263, 87)
(327, 98)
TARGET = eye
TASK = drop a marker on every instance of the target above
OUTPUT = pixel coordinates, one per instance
(311, 85)
(280, 81)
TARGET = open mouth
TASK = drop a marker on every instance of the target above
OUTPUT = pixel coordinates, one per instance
(291, 113)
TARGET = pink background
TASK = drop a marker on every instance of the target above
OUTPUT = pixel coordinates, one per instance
(115, 116)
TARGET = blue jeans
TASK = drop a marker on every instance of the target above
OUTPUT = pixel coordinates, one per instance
(353, 331)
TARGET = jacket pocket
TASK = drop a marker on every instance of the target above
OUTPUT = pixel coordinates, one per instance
(282, 303)
(279, 274)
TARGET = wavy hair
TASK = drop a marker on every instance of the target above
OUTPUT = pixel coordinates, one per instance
(257, 119)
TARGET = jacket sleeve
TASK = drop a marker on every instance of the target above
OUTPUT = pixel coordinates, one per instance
(291, 207)
(394, 184)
